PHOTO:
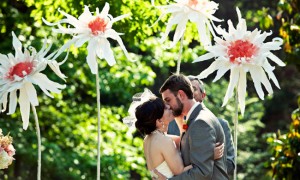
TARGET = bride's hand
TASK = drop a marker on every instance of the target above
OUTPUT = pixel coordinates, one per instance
(219, 150)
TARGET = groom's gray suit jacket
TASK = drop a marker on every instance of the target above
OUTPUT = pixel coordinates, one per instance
(197, 147)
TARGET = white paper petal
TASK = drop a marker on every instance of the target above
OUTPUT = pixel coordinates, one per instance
(242, 86)
(43, 52)
(172, 21)
(265, 81)
(234, 77)
(105, 10)
(231, 28)
(180, 29)
(203, 33)
(12, 102)
(255, 75)
(224, 67)
(211, 29)
(24, 108)
(238, 13)
(119, 18)
(45, 84)
(86, 15)
(91, 57)
(80, 41)
(16, 85)
(204, 57)
(64, 47)
(31, 94)
(114, 35)
(276, 59)
(209, 70)
(271, 45)
(16, 43)
(55, 68)
(269, 69)
(107, 53)
(4, 61)
(70, 19)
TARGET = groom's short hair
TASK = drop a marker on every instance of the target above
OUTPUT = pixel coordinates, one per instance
(178, 82)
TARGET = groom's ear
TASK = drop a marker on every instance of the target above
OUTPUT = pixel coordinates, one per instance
(181, 94)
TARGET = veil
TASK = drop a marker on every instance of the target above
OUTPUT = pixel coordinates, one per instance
(137, 99)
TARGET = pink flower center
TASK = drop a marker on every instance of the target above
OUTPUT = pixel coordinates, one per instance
(193, 2)
(21, 69)
(240, 49)
(97, 25)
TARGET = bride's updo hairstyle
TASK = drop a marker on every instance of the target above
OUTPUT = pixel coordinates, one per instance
(147, 114)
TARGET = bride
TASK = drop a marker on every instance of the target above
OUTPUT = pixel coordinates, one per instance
(152, 117)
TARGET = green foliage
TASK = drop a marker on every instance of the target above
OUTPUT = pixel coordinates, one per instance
(289, 16)
(285, 150)
(262, 17)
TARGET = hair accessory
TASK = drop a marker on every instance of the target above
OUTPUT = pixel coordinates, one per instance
(137, 100)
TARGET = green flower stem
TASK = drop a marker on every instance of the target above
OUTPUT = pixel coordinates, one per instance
(39, 142)
(180, 54)
(235, 133)
(99, 125)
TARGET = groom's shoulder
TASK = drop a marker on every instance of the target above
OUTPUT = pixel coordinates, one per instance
(206, 115)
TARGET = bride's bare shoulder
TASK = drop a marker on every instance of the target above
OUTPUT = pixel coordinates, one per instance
(158, 139)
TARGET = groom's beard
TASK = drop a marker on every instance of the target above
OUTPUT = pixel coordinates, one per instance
(178, 111)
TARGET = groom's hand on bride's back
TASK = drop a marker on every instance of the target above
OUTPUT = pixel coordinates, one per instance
(218, 151)
(160, 176)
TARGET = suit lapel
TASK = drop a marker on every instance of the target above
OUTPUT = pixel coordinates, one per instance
(192, 118)
(194, 114)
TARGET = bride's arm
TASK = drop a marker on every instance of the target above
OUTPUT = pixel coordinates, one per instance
(176, 139)
(172, 156)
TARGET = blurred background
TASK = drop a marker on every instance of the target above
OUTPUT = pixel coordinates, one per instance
(268, 134)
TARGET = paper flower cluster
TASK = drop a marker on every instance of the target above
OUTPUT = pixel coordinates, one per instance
(7, 151)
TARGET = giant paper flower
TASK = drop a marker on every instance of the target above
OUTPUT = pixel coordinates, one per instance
(243, 51)
(197, 11)
(94, 29)
(20, 72)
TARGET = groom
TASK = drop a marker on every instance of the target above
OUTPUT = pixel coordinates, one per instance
(203, 131)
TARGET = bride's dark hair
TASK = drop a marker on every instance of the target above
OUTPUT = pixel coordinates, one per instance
(147, 114)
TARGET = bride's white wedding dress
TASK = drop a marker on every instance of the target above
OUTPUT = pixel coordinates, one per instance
(164, 169)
